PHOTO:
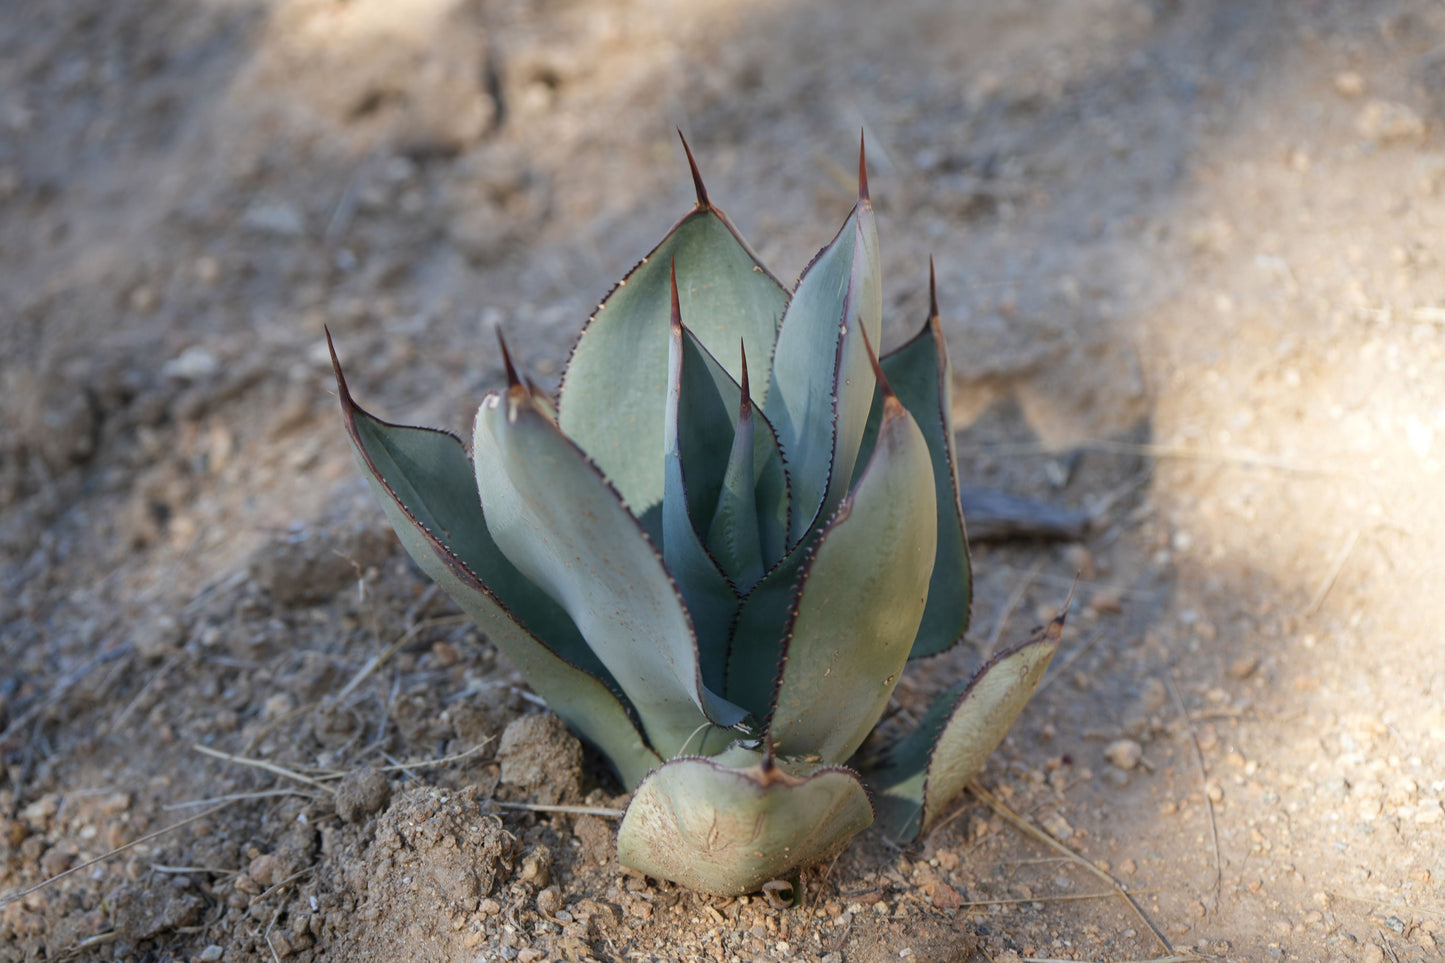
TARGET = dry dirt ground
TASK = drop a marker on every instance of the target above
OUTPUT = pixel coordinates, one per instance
(1190, 257)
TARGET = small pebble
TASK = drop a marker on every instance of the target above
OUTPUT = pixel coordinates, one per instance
(1207, 737)
(549, 901)
(212, 953)
(536, 866)
(1079, 558)
(1349, 83)
(1124, 753)
(1106, 603)
(192, 364)
(1056, 825)
(1243, 667)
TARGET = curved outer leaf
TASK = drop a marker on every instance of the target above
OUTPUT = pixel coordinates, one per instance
(727, 831)
(964, 725)
(424, 482)
(615, 386)
(859, 601)
(822, 381)
(564, 527)
(920, 373)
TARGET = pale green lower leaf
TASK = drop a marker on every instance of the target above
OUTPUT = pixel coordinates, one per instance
(920, 373)
(424, 483)
(727, 831)
(962, 728)
(563, 526)
(859, 601)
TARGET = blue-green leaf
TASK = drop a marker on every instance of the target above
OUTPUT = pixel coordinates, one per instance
(822, 381)
(697, 427)
(727, 831)
(562, 525)
(615, 386)
(756, 644)
(749, 527)
(424, 482)
(860, 601)
(925, 771)
(732, 534)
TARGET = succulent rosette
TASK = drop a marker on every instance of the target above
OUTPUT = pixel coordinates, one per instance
(715, 554)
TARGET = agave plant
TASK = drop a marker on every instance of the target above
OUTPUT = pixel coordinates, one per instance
(715, 553)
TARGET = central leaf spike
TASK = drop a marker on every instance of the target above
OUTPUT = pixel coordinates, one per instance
(745, 407)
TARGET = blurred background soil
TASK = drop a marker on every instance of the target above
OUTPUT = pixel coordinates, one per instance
(1189, 260)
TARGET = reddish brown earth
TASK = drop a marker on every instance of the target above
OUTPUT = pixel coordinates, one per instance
(1190, 263)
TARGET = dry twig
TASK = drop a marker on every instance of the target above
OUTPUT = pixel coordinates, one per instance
(270, 767)
(574, 810)
(1029, 829)
(1333, 575)
(1203, 787)
(235, 797)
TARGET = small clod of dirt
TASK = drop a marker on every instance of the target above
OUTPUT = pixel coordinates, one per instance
(539, 755)
(361, 794)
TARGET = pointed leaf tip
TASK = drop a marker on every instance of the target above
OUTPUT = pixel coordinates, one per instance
(702, 202)
(932, 291)
(863, 197)
(891, 405)
(341, 388)
(1055, 629)
(747, 399)
(514, 379)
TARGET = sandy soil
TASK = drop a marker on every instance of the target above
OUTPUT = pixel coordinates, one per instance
(1190, 263)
